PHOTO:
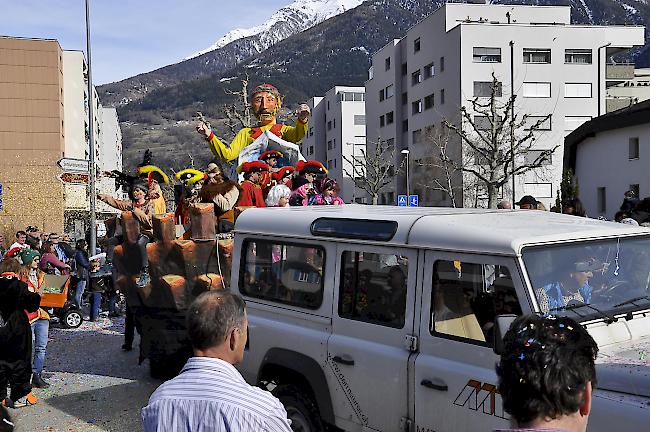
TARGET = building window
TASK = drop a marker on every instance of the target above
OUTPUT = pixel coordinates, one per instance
(288, 280)
(533, 157)
(389, 118)
(416, 107)
(573, 122)
(405, 98)
(537, 55)
(577, 56)
(429, 101)
(382, 121)
(635, 189)
(334, 124)
(405, 68)
(537, 123)
(416, 45)
(352, 96)
(417, 136)
(577, 90)
(311, 131)
(405, 125)
(311, 149)
(634, 148)
(390, 91)
(602, 199)
(484, 89)
(416, 77)
(387, 63)
(428, 71)
(482, 122)
(487, 55)
(536, 89)
(442, 96)
(359, 120)
(329, 125)
(382, 94)
(442, 64)
(329, 145)
(329, 164)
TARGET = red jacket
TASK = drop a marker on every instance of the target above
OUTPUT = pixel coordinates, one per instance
(251, 195)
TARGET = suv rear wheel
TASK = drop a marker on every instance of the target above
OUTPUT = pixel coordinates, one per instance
(301, 409)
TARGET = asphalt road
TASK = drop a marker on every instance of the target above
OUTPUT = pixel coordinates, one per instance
(95, 386)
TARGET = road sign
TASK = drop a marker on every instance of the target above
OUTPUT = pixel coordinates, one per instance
(1, 188)
(74, 177)
(74, 165)
(401, 200)
(2, 205)
(414, 200)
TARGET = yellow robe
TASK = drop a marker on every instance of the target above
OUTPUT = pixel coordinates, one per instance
(244, 138)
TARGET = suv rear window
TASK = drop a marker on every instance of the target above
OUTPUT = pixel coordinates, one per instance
(283, 272)
(373, 288)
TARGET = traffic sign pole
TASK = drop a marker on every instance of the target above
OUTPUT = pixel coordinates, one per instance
(92, 249)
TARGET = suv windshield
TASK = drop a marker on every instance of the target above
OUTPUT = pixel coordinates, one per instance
(591, 279)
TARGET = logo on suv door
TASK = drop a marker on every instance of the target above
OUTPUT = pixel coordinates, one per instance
(482, 397)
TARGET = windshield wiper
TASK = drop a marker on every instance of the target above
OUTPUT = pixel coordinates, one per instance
(632, 301)
(572, 307)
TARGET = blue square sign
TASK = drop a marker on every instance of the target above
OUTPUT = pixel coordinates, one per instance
(401, 200)
(414, 200)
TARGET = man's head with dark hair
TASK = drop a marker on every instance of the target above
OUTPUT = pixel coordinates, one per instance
(21, 236)
(547, 372)
(217, 326)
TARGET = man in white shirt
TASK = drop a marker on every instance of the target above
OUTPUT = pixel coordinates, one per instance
(21, 237)
(210, 394)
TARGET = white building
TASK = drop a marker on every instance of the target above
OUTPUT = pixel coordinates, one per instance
(448, 59)
(107, 140)
(630, 91)
(337, 136)
(610, 155)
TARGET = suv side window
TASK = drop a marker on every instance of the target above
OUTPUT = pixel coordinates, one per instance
(373, 288)
(466, 298)
(283, 272)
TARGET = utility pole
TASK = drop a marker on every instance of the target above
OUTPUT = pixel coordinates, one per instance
(92, 248)
(406, 152)
(512, 115)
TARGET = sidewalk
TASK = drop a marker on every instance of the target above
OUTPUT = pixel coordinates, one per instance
(94, 385)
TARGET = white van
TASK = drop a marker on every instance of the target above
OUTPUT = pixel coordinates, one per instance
(373, 318)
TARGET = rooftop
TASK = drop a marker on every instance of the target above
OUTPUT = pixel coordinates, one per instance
(502, 232)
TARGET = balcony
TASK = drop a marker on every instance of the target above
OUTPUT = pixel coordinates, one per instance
(616, 73)
(617, 103)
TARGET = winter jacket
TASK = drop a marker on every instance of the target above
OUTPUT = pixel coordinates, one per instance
(16, 334)
(83, 265)
(49, 262)
(251, 195)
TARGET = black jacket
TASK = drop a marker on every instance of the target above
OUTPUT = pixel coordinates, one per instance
(16, 334)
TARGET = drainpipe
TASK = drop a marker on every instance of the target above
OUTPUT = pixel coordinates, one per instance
(599, 96)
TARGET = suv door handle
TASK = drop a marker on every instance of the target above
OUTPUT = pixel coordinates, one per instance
(435, 384)
(346, 360)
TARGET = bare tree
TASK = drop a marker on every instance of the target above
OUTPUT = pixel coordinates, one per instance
(239, 112)
(495, 136)
(374, 170)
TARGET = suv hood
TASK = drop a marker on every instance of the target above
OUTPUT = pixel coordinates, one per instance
(625, 367)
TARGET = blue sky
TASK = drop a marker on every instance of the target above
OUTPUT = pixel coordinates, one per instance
(132, 36)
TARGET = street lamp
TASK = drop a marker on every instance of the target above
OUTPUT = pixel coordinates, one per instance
(91, 133)
(406, 152)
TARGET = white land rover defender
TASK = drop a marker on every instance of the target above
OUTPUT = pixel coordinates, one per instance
(369, 318)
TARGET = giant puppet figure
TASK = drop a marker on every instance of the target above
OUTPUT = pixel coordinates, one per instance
(265, 104)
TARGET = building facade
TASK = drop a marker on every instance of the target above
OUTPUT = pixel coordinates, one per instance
(620, 141)
(448, 60)
(633, 90)
(32, 134)
(337, 137)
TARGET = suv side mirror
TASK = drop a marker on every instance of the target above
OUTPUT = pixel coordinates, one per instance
(501, 325)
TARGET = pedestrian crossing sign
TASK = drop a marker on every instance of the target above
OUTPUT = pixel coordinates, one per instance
(402, 200)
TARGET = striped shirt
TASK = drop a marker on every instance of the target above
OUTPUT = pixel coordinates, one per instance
(210, 395)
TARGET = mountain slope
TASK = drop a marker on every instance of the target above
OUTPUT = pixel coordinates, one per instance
(230, 50)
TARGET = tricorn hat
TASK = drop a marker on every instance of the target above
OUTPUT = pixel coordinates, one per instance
(311, 167)
(270, 154)
(283, 172)
(251, 167)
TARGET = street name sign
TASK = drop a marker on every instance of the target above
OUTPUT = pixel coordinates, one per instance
(74, 165)
(402, 200)
(74, 177)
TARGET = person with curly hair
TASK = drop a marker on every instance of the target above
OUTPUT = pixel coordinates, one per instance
(547, 374)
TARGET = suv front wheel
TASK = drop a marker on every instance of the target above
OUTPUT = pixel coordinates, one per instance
(301, 409)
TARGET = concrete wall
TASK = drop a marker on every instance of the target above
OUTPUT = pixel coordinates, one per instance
(32, 133)
(621, 172)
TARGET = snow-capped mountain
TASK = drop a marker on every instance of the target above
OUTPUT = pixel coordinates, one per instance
(294, 18)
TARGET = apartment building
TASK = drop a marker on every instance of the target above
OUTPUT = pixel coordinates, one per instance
(337, 137)
(447, 60)
(32, 134)
(634, 89)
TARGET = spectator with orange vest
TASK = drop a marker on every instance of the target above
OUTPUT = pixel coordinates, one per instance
(251, 191)
(33, 276)
(266, 102)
